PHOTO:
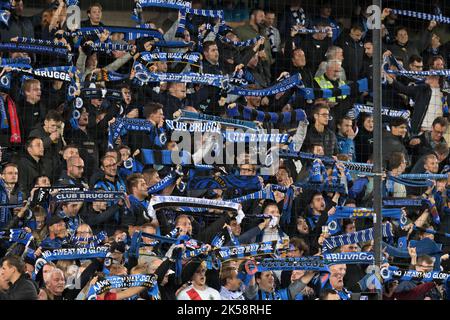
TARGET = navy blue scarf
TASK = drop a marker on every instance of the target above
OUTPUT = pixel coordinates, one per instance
(421, 15)
(122, 125)
(172, 4)
(168, 180)
(353, 89)
(110, 47)
(88, 196)
(34, 48)
(392, 272)
(224, 182)
(193, 58)
(120, 282)
(41, 42)
(285, 118)
(248, 250)
(282, 86)
(72, 254)
(360, 108)
(355, 237)
(129, 33)
(314, 263)
(193, 116)
(352, 166)
(110, 94)
(165, 157)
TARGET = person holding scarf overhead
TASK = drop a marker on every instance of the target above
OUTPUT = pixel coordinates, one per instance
(70, 214)
(9, 192)
(154, 113)
(58, 235)
(251, 29)
(137, 214)
(18, 24)
(111, 181)
(266, 288)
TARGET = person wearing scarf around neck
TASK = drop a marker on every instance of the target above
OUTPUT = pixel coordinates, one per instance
(336, 280)
(70, 214)
(232, 286)
(316, 217)
(58, 235)
(293, 15)
(137, 214)
(74, 174)
(9, 192)
(111, 181)
(267, 290)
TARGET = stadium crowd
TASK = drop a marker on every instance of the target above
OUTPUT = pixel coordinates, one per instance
(103, 125)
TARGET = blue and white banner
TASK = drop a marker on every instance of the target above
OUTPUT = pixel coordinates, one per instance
(360, 108)
(88, 196)
(282, 86)
(235, 123)
(189, 57)
(421, 15)
(248, 250)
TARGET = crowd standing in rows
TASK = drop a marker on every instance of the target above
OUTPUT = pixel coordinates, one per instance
(45, 147)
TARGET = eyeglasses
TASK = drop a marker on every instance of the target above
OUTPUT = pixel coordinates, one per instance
(441, 133)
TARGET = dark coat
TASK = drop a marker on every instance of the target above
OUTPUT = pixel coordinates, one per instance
(29, 169)
(421, 94)
(392, 144)
(22, 289)
(353, 57)
(51, 153)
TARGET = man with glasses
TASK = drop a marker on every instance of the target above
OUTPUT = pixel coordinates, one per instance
(425, 142)
(74, 174)
(9, 191)
(393, 140)
(415, 63)
(111, 180)
(320, 134)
